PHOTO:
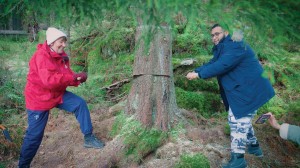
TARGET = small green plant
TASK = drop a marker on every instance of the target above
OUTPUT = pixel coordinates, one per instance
(11, 99)
(55, 112)
(177, 130)
(193, 161)
(227, 129)
(118, 124)
(2, 165)
(8, 149)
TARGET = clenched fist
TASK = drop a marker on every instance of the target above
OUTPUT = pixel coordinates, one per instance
(192, 75)
(80, 77)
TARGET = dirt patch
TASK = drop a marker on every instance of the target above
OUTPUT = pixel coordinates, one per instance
(62, 145)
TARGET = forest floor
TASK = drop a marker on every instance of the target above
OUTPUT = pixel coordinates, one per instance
(62, 145)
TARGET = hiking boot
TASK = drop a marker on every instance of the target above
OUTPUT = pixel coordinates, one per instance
(90, 141)
(237, 161)
(254, 149)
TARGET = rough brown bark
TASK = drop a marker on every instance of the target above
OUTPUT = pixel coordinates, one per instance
(152, 96)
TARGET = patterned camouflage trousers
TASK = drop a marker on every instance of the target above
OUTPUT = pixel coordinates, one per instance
(241, 132)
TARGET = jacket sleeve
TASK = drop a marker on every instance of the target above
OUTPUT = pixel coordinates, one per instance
(230, 57)
(290, 132)
(198, 70)
(49, 73)
(73, 82)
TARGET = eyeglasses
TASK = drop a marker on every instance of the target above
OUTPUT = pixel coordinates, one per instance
(215, 34)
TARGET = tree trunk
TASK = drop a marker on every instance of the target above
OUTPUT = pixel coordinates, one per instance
(10, 22)
(152, 95)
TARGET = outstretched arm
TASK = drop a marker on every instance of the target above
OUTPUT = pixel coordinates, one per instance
(286, 131)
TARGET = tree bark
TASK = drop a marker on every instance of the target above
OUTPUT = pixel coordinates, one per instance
(152, 95)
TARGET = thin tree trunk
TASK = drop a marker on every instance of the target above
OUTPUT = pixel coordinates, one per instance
(10, 22)
(152, 96)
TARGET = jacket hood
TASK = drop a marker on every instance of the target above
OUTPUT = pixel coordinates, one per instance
(227, 38)
(237, 36)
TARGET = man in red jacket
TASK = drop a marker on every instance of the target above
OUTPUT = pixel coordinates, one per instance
(48, 77)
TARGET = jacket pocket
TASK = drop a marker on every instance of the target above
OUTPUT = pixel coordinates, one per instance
(41, 94)
(241, 97)
(229, 86)
(245, 93)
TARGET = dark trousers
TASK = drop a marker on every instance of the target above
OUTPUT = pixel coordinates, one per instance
(37, 121)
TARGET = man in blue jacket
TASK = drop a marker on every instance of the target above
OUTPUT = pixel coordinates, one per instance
(243, 89)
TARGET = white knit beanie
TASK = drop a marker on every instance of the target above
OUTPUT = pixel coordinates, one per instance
(53, 34)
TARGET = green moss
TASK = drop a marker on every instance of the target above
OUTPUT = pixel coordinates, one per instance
(276, 105)
(295, 109)
(94, 61)
(295, 106)
(138, 139)
(197, 85)
(118, 124)
(143, 141)
(192, 40)
(204, 103)
(193, 161)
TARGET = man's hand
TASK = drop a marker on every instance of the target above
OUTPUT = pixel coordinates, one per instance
(192, 75)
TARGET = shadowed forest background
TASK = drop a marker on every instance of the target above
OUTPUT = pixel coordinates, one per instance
(102, 42)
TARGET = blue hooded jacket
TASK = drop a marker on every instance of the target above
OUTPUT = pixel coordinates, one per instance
(239, 74)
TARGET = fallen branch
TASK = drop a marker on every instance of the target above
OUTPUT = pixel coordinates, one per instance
(118, 97)
(116, 85)
(89, 36)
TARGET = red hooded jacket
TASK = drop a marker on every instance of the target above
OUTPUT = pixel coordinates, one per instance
(48, 77)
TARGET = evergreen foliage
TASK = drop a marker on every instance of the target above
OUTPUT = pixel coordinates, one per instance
(275, 17)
